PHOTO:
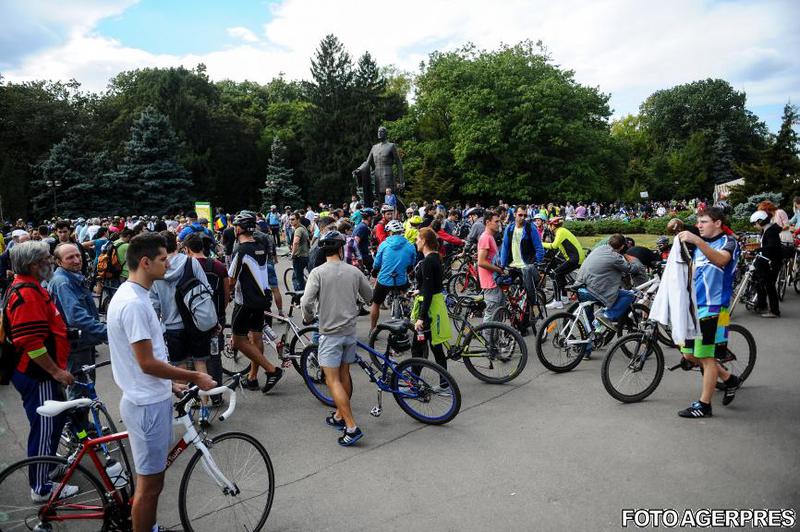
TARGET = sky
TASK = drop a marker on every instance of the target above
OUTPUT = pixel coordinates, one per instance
(627, 48)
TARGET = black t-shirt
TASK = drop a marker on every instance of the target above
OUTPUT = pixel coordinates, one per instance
(228, 240)
(428, 273)
(647, 257)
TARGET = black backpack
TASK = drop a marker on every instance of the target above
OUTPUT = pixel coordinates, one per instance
(217, 286)
(9, 354)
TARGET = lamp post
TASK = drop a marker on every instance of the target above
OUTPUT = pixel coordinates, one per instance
(54, 184)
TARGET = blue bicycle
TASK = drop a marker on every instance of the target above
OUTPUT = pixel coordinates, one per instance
(424, 390)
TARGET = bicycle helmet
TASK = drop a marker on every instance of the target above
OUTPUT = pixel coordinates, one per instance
(331, 240)
(477, 211)
(415, 220)
(246, 220)
(368, 212)
(662, 242)
(556, 220)
(540, 216)
(387, 208)
(759, 217)
(394, 227)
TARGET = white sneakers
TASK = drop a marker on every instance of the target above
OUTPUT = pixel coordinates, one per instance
(557, 303)
(67, 491)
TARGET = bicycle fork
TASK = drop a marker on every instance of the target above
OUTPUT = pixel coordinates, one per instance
(192, 437)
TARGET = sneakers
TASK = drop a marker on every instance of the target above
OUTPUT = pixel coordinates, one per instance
(696, 409)
(248, 384)
(67, 491)
(554, 304)
(350, 438)
(331, 421)
(731, 385)
(272, 380)
(204, 415)
(770, 315)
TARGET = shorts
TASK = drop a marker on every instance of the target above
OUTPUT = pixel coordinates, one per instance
(381, 291)
(335, 350)
(246, 319)
(272, 277)
(713, 341)
(149, 433)
(182, 346)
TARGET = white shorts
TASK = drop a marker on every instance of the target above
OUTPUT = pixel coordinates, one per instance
(150, 434)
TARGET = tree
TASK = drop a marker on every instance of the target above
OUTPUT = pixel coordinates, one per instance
(151, 178)
(279, 186)
(722, 162)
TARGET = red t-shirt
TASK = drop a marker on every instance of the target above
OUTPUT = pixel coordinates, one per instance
(486, 277)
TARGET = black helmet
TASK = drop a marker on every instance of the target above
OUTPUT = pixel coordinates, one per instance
(368, 212)
(331, 240)
(246, 220)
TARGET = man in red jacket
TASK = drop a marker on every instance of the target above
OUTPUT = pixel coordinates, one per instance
(387, 215)
(39, 336)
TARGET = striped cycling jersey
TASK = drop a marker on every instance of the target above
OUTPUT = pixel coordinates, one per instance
(714, 285)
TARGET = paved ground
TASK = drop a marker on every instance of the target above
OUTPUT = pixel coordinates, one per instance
(545, 452)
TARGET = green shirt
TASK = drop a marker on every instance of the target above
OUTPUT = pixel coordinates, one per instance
(122, 253)
(516, 249)
(301, 234)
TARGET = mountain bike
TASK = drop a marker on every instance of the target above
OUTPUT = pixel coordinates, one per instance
(747, 289)
(634, 365)
(228, 483)
(422, 389)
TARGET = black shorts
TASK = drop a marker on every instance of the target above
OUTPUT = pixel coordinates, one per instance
(246, 319)
(183, 347)
(381, 291)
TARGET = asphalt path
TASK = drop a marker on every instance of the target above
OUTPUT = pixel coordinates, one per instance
(544, 452)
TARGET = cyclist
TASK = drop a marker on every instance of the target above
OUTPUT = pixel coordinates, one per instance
(301, 242)
(140, 369)
(522, 249)
(487, 249)
(715, 259)
(251, 297)
(394, 258)
(412, 228)
(362, 233)
(539, 220)
(572, 251)
(771, 249)
(387, 215)
(477, 227)
(334, 289)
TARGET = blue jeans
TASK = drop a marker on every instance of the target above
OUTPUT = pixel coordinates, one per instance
(621, 305)
(299, 265)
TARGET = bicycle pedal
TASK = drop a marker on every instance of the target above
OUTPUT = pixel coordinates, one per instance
(285, 363)
(376, 411)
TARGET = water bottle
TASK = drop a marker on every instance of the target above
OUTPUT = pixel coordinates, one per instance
(115, 473)
(214, 346)
(269, 334)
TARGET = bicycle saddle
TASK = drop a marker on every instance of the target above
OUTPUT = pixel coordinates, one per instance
(52, 408)
(395, 326)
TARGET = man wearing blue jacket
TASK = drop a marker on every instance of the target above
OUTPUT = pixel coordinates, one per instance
(76, 305)
(522, 249)
(395, 257)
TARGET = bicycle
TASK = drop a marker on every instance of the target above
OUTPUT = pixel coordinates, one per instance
(288, 276)
(418, 386)
(747, 290)
(234, 362)
(634, 365)
(465, 281)
(520, 311)
(216, 491)
(492, 352)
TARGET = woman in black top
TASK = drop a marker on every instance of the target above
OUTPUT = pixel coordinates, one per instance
(772, 249)
(428, 273)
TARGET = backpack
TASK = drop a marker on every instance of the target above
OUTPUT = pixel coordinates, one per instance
(195, 302)
(217, 287)
(108, 264)
(9, 354)
(208, 242)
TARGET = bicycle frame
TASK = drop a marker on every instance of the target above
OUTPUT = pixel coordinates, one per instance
(385, 368)
(580, 315)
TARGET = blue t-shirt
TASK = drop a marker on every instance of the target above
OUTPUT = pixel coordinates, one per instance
(713, 286)
(391, 199)
(362, 232)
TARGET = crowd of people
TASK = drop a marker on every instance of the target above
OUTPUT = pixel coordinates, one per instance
(174, 277)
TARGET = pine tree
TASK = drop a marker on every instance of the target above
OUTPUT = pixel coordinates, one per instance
(151, 178)
(279, 186)
(722, 162)
(783, 154)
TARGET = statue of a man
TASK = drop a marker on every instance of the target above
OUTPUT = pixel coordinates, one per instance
(381, 160)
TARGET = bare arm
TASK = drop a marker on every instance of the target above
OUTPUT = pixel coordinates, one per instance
(143, 351)
(484, 263)
(718, 258)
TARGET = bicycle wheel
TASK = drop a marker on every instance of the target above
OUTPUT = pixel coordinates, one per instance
(288, 279)
(19, 512)
(740, 353)
(560, 346)
(494, 352)
(456, 285)
(797, 284)
(204, 505)
(397, 347)
(233, 361)
(632, 368)
(299, 342)
(782, 281)
(426, 391)
(314, 377)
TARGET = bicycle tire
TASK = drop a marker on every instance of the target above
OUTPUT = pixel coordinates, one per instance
(663, 332)
(456, 283)
(288, 279)
(19, 512)
(411, 371)
(749, 362)
(313, 376)
(233, 361)
(304, 337)
(379, 342)
(782, 281)
(545, 336)
(503, 341)
(206, 495)
(632, 364)
(797, 284)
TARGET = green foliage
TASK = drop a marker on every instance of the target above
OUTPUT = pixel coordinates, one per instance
(748, 207)
(279, 186)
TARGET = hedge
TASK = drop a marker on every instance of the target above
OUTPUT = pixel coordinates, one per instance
(654, 226)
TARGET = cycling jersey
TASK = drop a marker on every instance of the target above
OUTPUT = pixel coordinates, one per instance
(713, 285)
(567, 244)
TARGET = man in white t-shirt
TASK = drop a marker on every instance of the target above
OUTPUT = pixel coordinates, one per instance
(140, 367)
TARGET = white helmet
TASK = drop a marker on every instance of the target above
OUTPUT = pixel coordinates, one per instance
(394, 226)
(759, 217)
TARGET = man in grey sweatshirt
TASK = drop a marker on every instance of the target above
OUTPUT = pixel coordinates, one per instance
(334, 288)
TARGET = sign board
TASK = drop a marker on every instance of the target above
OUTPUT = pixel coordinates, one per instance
(203, 209)
(644, 195)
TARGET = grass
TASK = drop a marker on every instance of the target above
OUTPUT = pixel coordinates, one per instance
(648, 241)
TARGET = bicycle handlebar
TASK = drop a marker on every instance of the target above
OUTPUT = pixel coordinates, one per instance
(88, 368)
(226, 391)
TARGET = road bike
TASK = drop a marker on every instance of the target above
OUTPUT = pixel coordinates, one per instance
(228, 484)
(634, 365)
(288, 346)
(422, 389)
